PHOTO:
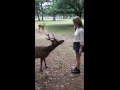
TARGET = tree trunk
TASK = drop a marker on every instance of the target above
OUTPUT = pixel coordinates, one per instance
(42, 11)
(38, 17)
(78, 14)
(42, 14)
(53, 17)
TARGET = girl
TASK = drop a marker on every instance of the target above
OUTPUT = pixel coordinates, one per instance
(78, 44)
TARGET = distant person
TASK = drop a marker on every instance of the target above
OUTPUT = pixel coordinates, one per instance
(78, 44)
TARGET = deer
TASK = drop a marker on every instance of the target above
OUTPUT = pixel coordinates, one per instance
(41, 26)
(43, 51)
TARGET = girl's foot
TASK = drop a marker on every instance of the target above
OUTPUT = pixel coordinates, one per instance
(75, 71)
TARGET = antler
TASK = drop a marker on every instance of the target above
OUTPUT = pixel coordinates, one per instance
(48, 37)
(53, 36)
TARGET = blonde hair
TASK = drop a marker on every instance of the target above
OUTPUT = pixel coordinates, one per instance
(80, 25)
(77, 19)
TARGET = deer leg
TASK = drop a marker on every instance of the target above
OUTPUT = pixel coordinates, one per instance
(45, 63)
(41, 65)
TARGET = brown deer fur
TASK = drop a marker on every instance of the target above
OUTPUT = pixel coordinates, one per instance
(43, 51)
(41, 26)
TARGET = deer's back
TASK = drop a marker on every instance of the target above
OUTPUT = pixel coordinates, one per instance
(41, 52)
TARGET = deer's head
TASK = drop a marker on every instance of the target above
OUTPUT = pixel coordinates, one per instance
(54, 40)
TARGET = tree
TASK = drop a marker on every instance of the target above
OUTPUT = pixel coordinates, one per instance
(59, 7)
(71, 6)
(39, 9)
(51, 10)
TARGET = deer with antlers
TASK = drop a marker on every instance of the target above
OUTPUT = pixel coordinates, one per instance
(43, 51)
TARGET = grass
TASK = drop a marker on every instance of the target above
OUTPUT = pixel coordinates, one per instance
(61, 26)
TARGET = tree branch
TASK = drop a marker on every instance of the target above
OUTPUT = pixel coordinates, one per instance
(71, 5)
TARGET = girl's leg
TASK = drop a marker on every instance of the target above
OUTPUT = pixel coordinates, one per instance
(78, 56)
(77, 69)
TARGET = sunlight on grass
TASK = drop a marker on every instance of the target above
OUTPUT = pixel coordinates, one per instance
(61, 26)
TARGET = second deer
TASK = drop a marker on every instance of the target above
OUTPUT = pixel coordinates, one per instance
(43, 51)
(41, 26)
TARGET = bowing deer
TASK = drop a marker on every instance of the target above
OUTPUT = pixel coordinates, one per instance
(43, 51)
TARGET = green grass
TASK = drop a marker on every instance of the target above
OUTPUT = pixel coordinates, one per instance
(61, 26)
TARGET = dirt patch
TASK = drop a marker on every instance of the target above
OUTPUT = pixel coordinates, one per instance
(60, 61)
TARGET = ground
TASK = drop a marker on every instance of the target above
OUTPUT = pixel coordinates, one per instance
(60, 61)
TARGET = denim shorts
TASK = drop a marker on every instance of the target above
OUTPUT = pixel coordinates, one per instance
(76, 47)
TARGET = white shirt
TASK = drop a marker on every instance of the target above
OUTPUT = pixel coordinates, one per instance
(79, 36)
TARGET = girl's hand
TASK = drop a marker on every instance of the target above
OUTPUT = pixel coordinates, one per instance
(75, 25)
(80, 51)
